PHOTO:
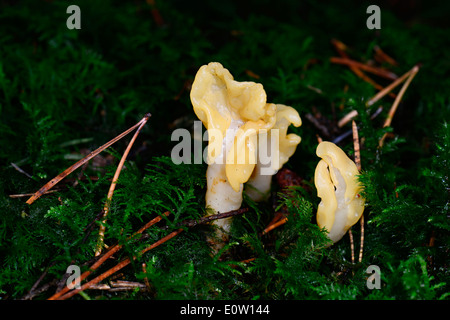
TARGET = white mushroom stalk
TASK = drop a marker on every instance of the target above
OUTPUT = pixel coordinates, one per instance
(233, 113)
(337, 185)
(272, 158)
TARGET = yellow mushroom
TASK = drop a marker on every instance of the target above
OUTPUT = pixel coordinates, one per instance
(233, 113)
(338, 187)
(278, 148)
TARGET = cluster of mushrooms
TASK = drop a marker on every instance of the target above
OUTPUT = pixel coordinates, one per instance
(248, 144)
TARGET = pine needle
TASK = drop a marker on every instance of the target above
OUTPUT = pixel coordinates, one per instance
(341, 48)
(390, 87)
(374, 70)
(62, 295)
(106, 256)
(274, 225)
(357, 149)
(114, 183)
(78, 164)
(396, 103)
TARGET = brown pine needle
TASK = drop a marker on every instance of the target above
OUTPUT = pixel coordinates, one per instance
(276, 217)
(247, 260)
(190, 223)
(374, 70)
(361, 245)
(15, 166)
(106, 256)
(352, 114)
(147, 283)
(341, 48)
(319, 138)
(381, 57)
(396, 103)
(119, 266)
(383, 92)
(274, 225)
(352, 246)
(20, 195)
(356, 145)
(113, 186)
(389, 88)
(78, 164)
(357, 149)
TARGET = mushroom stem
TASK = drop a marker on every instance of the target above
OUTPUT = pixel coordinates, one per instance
(259, 185)
(220, 196)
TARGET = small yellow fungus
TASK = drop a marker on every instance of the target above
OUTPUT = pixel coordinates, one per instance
(338, 187)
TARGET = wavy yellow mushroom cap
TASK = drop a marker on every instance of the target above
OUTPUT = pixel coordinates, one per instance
(218, 100)
(325, 191)
(241, 159)
(287, 142)
(338, 187)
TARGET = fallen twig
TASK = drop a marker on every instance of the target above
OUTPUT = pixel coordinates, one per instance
(192, 223)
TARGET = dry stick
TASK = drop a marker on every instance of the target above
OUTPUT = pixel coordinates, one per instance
(106, 256)
(126, 261)
(112, 187)
(192, 223)
(390, 116)
(78, 164)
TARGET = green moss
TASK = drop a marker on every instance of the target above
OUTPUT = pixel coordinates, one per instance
(62, 91)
